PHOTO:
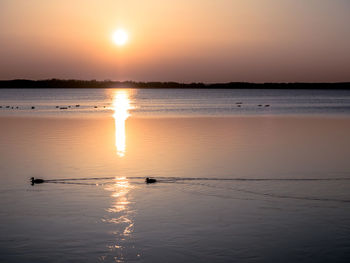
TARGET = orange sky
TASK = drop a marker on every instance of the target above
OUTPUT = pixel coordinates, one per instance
(183, 40)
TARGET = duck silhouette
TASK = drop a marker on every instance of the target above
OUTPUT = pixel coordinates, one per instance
(36, 181)
(150, 180)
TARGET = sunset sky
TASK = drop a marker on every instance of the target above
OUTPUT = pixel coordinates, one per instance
(183, 40)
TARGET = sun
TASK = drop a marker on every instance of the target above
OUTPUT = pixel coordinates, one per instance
(120, 37)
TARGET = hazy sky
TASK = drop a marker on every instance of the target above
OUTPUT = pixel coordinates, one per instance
(182, 40)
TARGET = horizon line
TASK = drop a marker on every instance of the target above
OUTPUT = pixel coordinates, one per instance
(167, 82)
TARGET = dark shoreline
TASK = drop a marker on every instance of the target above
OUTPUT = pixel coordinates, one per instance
(74, 84)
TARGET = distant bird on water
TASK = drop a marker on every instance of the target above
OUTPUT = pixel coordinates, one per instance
(37, 181)
(150, 181)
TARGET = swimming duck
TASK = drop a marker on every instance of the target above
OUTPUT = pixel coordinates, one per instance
(37, 181)
(150, 181)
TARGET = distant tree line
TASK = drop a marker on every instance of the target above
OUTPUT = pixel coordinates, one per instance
(71, 83)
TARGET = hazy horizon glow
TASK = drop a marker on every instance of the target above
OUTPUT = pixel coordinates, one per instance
(184, 41)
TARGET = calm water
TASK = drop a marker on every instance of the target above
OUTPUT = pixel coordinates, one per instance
(176, 102)
(236, 184)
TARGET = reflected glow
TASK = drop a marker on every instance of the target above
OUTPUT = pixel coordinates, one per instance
(119, 189)
(120, 214)
(121, 107)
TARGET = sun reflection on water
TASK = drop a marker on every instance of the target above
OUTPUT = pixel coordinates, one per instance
(120, 213)
(120, 188)
(121, 107)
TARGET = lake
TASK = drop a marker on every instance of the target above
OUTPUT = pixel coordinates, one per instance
(243, 175)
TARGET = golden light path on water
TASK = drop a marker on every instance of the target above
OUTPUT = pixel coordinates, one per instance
(120, 213)
(121, 107)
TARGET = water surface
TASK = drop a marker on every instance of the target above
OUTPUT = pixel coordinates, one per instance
(176, 102)
(261, 185)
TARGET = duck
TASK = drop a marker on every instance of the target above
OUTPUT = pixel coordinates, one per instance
(150, 180)
(37, 181)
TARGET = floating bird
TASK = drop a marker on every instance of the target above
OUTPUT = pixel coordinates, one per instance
(33, 107)
(77, 105)
(36, 181)
(150, 181)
